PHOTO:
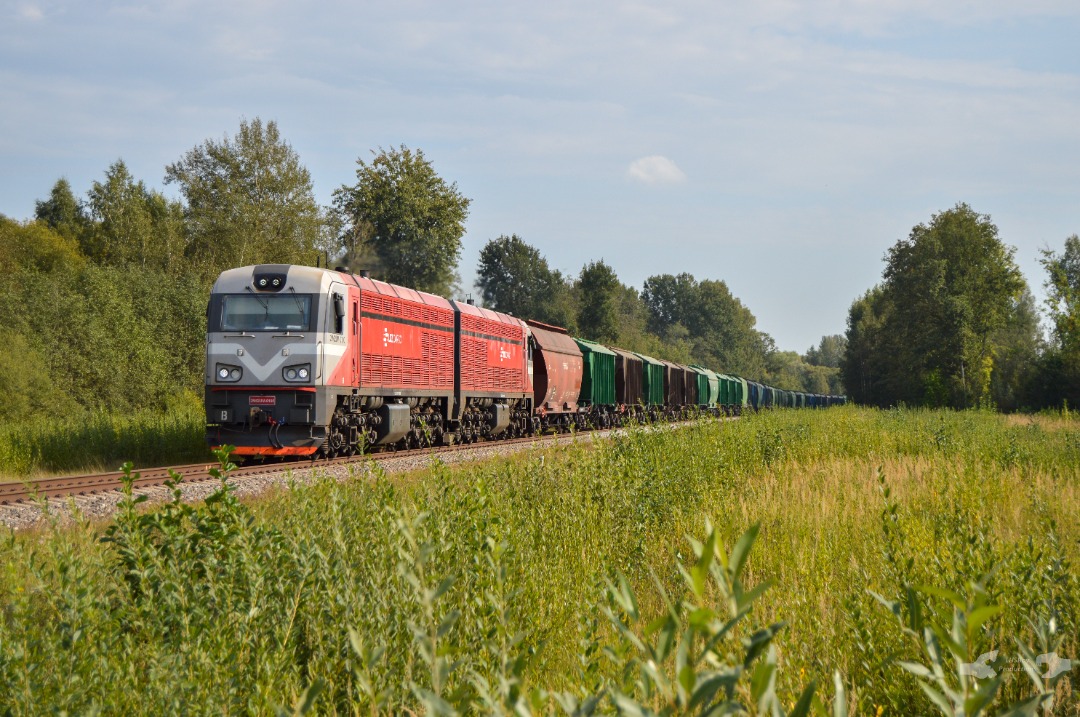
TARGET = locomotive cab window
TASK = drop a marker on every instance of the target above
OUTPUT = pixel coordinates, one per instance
(280, 312)
(339, 313)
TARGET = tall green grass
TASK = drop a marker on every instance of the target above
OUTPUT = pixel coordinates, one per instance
(103, 441)
(564, 580)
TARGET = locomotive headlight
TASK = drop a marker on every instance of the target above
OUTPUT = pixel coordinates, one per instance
(228, 374)
(297, 373)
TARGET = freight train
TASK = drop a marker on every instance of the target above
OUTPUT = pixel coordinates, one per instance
(304, 361)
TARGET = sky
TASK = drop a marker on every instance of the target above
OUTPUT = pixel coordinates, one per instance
(779, 146)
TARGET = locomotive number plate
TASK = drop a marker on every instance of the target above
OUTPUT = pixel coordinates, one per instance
(262, 400)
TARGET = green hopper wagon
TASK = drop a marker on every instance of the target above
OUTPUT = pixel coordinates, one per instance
(597, 375)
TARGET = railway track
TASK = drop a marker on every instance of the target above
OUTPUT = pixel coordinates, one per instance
(60, 487)
(96, 497)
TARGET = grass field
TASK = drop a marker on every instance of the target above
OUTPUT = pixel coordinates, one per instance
(85, 443)
(618, 576)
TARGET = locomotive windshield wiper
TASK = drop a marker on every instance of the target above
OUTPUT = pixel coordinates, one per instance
(299, 304)
(263, 303)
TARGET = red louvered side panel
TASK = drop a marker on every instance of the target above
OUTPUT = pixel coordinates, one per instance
(492, 356)
(405, 344)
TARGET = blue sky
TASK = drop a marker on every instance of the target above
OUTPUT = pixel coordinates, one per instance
(780, 146)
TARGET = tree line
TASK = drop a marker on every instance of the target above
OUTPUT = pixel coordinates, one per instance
(104, 294)
(953, 323)
(678, 317)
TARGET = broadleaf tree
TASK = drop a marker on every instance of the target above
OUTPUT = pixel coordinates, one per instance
(62, 211)
(131, 224)
(1063, 292)
(829, 351)
(513, 277)
(866, 361)
(1018, 344)
(929, 335)
(249, 200)
(409, 218)
(34, 247)
(599, 294)
(720, 328)
(1057, 381)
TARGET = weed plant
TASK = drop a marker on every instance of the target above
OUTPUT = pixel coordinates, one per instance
(856, 561)
(103, 441)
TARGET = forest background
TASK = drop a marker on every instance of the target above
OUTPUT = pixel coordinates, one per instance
(104, 295)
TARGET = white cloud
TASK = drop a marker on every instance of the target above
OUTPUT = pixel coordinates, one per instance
(31, 12)
(655, 169)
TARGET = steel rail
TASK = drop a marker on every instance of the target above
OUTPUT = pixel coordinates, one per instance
(64, 486)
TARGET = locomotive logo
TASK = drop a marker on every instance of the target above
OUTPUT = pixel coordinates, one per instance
(501, 355)
(390, 338)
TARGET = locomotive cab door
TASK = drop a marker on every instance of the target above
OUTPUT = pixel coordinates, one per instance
(530, 342)
(354, 340)
(334, 336)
